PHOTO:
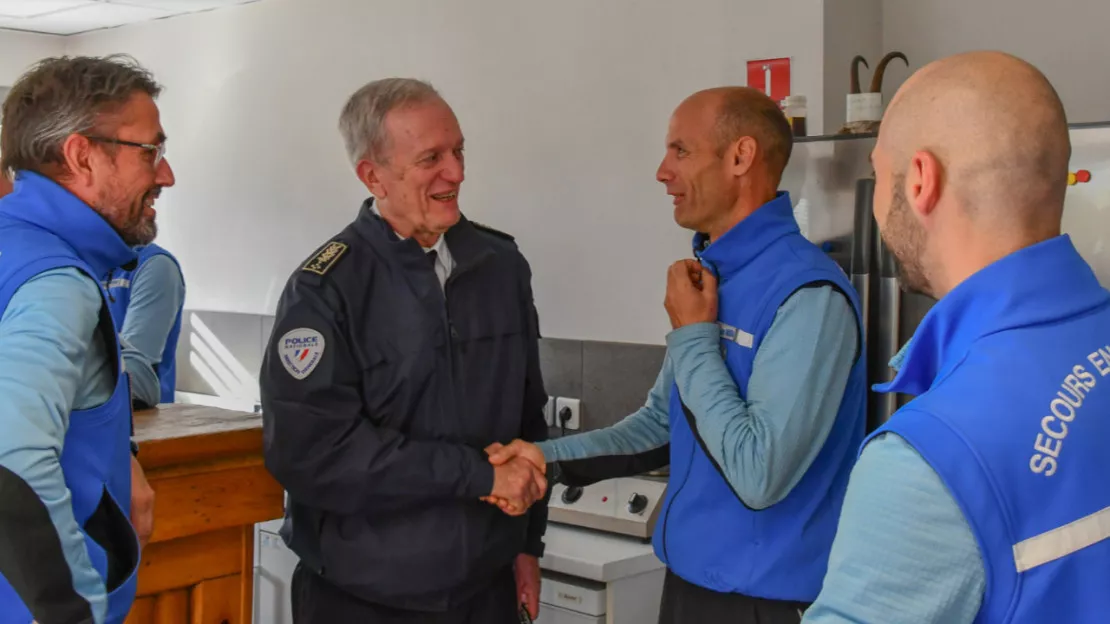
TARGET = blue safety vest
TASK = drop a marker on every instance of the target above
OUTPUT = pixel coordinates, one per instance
(119, 297)
(1012, 375)
(44, 227)
(705, 533)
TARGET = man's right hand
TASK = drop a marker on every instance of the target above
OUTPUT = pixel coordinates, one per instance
(517, 484)
(500, 453)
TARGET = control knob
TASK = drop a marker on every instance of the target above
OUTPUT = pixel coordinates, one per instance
(637, 504)
(572, 494)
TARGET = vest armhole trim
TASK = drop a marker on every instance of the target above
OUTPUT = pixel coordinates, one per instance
(713, 460)
(837, 288)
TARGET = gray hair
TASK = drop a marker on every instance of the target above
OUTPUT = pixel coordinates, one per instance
(62, 96)
(362, 122)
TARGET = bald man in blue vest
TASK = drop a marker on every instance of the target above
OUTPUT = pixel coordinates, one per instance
(759, 406)
(985, 498)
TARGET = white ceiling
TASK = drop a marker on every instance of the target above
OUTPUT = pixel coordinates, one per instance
(70, 17)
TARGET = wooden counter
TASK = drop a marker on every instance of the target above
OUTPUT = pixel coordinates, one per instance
(210, 488)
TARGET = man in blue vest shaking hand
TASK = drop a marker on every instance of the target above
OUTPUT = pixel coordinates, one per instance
(83, 139)
(985, 498)
(760, 406)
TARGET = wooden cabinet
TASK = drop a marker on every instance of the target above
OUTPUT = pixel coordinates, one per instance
(210, 488)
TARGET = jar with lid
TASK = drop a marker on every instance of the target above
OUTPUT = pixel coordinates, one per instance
(794, 107)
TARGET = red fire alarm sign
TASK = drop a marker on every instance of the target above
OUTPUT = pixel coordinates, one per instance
(771, 76)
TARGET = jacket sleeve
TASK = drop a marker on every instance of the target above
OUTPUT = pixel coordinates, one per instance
(534, 426)
(157, 293)
(638, 443)
(45, 335)
(319, 442)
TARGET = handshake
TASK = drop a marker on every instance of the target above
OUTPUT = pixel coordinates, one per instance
(519, 479)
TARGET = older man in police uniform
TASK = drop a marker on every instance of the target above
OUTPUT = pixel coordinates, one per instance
(402, 348)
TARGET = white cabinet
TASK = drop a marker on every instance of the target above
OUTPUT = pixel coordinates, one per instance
(273, 578)
(556, 615)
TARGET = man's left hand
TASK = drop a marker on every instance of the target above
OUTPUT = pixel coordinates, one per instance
(526, 568)
(142, 504)
(691, 294)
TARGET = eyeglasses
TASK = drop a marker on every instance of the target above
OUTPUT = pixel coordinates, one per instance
(159, 150)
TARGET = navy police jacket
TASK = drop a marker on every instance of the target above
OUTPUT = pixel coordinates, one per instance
(380, 390)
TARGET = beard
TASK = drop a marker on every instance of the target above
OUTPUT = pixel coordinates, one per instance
(905, 238)
(127, 217)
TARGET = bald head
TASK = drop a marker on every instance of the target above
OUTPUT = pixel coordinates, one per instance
(971, 165)
(998, 130)
(743, 111)
(726, 151)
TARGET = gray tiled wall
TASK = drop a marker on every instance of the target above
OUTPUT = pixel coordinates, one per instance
(616, 378)
(611, 379)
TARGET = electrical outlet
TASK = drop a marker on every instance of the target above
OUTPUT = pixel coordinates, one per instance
(549, 411)
(575, 406)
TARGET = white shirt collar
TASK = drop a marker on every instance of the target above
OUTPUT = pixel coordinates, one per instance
(445, 263)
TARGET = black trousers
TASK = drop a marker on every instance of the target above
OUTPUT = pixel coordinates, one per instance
(315, 601)
(686, 603)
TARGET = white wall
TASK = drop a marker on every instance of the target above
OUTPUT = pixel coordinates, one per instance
(565, 107)
(1066, 39)
(19, 50)
(851, 27)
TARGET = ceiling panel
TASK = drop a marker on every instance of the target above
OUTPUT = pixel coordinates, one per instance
(30, 8)
(69, 17)
(86, 17)
(183, 6)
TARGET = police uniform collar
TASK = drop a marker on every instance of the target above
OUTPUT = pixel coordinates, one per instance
(747, 239)
(1039, 284)
(42, 202)
(465, 243)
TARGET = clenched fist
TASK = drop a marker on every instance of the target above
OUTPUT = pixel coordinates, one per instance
(691, 294)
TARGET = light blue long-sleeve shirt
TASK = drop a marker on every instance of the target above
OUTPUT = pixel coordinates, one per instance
(157, 292)
(766, 441)
(54, 363)
(903, 550)
(885, 569)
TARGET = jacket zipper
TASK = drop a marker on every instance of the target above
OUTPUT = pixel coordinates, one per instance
(452, 333)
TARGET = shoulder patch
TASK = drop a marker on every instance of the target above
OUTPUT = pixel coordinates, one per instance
(300, 350)
(488, 230)
(322, 262)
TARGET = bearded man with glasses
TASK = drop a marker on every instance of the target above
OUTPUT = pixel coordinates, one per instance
(147, 302)
(83, 142)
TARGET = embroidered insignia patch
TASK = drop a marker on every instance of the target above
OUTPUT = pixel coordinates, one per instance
(300, 350)
(322, 262)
